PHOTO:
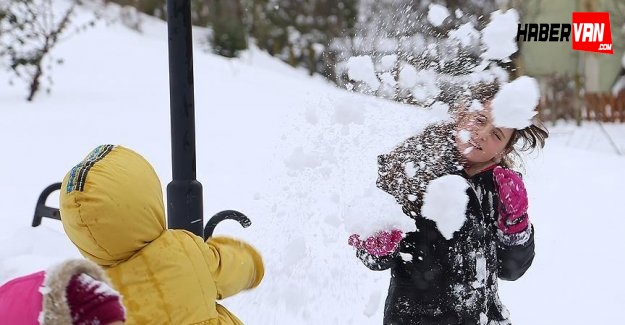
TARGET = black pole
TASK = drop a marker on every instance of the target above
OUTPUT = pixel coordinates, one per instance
(184, 193)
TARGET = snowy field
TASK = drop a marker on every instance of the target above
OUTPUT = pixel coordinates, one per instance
(298, 156)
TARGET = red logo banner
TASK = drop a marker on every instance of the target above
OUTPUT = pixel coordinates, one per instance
(591, 32)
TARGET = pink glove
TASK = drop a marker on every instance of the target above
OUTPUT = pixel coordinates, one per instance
(512, 201)
(382, 243)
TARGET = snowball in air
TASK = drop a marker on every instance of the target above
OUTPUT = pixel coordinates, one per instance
(437, 14)
(445, 202)
(500, 34)
(513, 106)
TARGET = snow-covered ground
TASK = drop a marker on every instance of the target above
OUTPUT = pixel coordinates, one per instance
(299, 157)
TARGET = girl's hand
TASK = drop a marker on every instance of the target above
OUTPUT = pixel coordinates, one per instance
(382, 243)
(512, 201)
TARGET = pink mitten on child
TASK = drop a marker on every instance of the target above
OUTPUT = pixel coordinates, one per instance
(512, 201)
(382, 243)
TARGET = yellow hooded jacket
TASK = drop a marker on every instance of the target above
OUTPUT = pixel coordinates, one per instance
(112, 210)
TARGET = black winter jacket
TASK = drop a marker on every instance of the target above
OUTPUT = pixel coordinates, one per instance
(438, 281)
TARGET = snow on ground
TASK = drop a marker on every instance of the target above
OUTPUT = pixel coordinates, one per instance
(299, 157)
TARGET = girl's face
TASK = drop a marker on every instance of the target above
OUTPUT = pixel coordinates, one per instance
(478, 140)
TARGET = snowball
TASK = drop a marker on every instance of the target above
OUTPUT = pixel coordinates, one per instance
(437, 14)
(513, 106)
(500, 34)
(360, 68)
(445, 202)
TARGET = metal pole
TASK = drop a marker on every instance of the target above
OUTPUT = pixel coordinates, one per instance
(184, 193)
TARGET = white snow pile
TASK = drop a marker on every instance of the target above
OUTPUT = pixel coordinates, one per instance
(514, 105)
(445, 202)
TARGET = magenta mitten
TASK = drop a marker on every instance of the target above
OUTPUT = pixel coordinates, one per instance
(512, 201)
(354, 240)
(382, 243)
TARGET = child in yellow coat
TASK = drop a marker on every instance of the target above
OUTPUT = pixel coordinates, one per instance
(112, 209)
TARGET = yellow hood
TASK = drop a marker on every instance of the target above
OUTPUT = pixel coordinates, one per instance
(112, 205)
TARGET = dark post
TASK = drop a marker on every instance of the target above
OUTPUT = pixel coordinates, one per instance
(184, 193)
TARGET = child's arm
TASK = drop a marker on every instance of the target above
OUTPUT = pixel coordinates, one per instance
(234, 264)
(377, 263)
(515, 233)
(515, 259)
(379, 251)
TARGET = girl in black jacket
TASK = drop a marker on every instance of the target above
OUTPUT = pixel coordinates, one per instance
(442, 281)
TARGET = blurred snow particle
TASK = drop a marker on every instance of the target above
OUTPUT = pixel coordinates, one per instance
(437, 14)
(360, 68)
(465, 34)
(387, 62)
(407, 76)
(410, 169)
(464, 135)
(476, 106)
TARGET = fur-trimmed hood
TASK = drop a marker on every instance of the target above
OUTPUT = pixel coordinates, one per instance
(40, 298)
(111, 205)
(55, 309)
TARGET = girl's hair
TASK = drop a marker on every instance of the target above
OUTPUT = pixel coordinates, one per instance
(530, 138)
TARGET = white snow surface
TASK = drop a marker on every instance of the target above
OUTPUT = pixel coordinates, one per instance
(515, 103)
(298, 156)
(445, 202)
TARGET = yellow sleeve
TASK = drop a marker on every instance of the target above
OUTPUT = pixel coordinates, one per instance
(225, 317)
(234, 264)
